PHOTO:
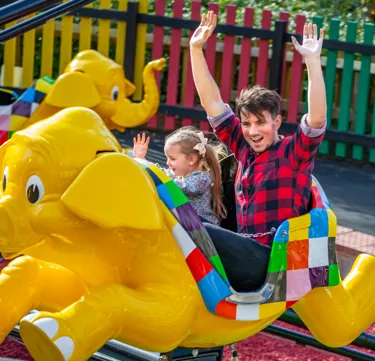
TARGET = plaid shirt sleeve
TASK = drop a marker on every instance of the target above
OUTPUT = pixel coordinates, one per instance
(228, 128)
(305, 143)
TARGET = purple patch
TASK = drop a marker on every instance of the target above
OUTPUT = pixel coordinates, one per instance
(21, 108)
(319, 276)
(188, 218)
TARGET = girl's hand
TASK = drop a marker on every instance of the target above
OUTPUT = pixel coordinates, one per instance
(140, 146)
(311, 47)
(204, 30)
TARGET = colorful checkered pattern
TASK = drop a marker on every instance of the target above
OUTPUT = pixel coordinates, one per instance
(14, 116)
(303, 254)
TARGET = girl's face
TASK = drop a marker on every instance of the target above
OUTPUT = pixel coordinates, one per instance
(180, 163)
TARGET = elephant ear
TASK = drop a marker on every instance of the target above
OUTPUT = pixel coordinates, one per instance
(73, 89)
(114, 191)
(129, 88)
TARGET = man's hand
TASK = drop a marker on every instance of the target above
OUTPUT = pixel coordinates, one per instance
(311, 47)
(204, 30)
(140, 146)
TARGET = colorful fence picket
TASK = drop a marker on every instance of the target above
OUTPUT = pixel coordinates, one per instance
(234, 61)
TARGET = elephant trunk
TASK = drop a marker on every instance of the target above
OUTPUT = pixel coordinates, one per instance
(134, 114)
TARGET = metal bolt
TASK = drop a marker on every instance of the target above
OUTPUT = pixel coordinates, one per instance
(194, 352)
(284, 232)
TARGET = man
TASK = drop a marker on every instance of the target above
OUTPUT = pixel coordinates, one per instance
(273, 181)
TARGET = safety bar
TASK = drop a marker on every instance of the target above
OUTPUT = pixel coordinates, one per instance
(22, 8)
(42, 18)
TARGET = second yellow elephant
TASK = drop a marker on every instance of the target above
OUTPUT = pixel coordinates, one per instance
(93, 81)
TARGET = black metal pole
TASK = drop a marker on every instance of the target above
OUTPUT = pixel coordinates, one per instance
(22, 8)
(131, 40)
(42, 18)
(277, 60)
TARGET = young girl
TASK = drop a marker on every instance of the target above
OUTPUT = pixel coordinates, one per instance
(194, 166)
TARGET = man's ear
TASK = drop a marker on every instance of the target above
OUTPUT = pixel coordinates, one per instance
(278, 120)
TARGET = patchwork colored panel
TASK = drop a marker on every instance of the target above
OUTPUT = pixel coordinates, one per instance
(319, 223)
(29, 95)
(270, 309)
(278, 259)
(298, 255)
(4, 122)
(213, 290)
(153, 176)
(21, 108)
(16, 122)
(332, 257)
(333, 275)
(248, 312)
(198, 264)
(299, 228)
(3, 136)
(279, 280)
(226, 309)
(332, 223)
(165, 195)
(178, 196)
(319, 276)
(185, 243)
(318, 252)
(186, 215)
(297, 284)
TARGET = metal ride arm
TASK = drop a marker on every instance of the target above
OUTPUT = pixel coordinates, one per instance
(42, 18)
(22, 8)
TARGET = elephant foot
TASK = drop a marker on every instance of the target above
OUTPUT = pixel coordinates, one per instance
(47, 338)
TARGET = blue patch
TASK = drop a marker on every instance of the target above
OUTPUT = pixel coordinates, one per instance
(39, 96)
(154, 177)
(165, 196)
(282, 233)
(319, 223)
(213, 290)
(28, 96)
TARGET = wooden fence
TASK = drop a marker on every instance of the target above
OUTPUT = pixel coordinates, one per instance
(238, 55)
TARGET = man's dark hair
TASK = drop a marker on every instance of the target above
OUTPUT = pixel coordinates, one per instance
(257, 99)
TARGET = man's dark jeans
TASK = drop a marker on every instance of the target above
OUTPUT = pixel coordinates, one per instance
(245, 261)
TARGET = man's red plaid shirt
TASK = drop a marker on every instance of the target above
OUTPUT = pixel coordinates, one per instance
(275, 185)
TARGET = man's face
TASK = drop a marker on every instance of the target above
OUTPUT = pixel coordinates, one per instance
(260, 133)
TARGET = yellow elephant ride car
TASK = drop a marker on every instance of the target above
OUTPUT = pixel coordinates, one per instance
(112, 249)
(90, 80)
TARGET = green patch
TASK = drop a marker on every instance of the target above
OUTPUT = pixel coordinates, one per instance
(333, 275)
(177, 195)
(278, 259)
(216, 262)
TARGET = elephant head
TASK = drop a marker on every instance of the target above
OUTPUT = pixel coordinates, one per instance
(38, 165)
(94, 81)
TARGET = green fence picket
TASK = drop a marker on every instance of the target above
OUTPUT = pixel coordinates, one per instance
(318, 20)
(363, 91)
(372, 150)
(330, 78)
(346, 88)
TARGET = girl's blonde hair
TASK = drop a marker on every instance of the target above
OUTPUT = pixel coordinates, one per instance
(188, 138)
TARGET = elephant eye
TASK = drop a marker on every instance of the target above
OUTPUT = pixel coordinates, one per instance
(114, 93)
(34, 189)
(5, 178)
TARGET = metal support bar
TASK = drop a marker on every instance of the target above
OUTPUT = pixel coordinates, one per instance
(131, 40)
(42, 18)
(276, 67)
(22, 8)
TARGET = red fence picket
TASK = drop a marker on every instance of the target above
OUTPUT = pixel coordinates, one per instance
(227, 62)
(174, 65)
(157, 49)
(296, 77)
(262, 68)
(189, 97)
(245, 56)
